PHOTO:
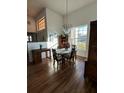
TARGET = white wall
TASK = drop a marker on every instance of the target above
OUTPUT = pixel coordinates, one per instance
(54, 23)
(84, 16)
(41, 14)
(31, 27)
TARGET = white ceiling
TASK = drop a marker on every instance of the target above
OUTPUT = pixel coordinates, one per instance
(34, 6)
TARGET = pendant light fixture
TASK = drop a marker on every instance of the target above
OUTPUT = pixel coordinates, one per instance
(66, 26)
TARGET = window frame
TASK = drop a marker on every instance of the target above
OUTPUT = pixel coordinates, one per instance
(41, 24)
(83, 38)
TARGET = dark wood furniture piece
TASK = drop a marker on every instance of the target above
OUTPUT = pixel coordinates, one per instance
(63, 42)
(37, 54)
(27, 57)
(56, 57)
(71, 57)
(91, 64)
(66, 54)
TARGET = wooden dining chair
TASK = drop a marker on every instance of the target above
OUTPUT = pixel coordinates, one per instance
(75, 51)
(70, 57)
(56, 57)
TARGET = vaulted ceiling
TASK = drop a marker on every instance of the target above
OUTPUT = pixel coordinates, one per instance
(34, 6)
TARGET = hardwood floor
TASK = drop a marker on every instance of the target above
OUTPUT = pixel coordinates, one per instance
(64, 78)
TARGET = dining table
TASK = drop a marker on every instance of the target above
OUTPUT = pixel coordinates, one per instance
(62, 52)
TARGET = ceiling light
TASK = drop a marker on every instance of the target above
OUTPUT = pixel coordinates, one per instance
(66, 26)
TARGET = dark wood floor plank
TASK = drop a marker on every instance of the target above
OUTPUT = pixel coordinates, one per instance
(64, 78)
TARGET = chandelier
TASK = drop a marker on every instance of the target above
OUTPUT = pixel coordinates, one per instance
(67, 26)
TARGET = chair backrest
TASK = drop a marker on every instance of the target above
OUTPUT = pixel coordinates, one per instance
(72, 53)
(54, 54)
(74, 47)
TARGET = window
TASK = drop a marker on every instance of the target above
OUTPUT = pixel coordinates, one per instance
(53, 40)
(53, 37)
(79, 37)
(41, 24)
(29, 38)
